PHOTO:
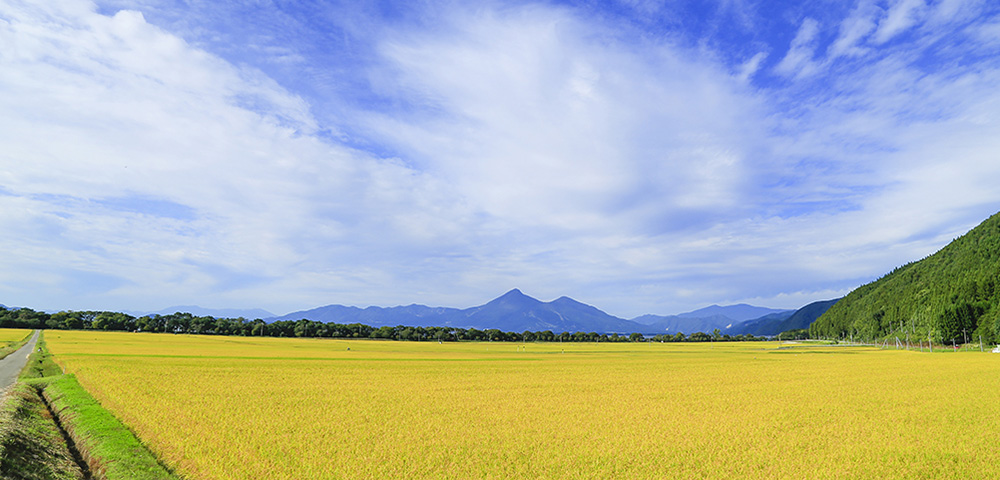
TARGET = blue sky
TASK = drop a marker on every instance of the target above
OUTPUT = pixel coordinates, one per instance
(643, 157)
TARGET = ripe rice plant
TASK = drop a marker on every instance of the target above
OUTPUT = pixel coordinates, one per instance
(242, 408)
(12, 339)
(13, 335)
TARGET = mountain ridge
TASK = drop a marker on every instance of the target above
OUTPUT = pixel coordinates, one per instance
(210, 312)
(515, 311)
(739, 312)
(776, 323)
(950, 296)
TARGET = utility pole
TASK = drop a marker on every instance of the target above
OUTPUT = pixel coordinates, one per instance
(902, 326)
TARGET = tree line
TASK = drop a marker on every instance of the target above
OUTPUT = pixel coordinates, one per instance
(187, 323)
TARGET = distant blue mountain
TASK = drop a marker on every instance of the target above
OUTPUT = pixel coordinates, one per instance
(737, 313)
(516, 312)
(777, 323)
(411, 315)
(728, 319)
(511, 312)
(686, 325)
(211, 312)
(766, 325)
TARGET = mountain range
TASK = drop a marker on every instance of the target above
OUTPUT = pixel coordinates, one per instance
(728, 319)
(209, 312)
(776, 323)
(516, 312)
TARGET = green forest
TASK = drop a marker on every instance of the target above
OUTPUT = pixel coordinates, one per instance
(950, 297)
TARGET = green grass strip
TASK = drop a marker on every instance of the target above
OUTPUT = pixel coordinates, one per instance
(40, 363)
(110, 450)
(31, 446)
(108, 447)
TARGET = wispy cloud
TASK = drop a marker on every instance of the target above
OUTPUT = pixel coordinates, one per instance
(799, 61)
(129, 109)
(901, 15)
(854, 29)
(443, 154)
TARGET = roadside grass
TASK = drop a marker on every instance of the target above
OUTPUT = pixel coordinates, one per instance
(40, 363)
(47, 417)
(31, 446)
(109, 449)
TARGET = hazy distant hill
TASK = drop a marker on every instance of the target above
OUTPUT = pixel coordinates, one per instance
(776, 323)
(805, 316)
(686, 325)
(410, 315)
(738, 313)
(195, 310)
(766, 325)
(517, 312)
(728, 319)
(511, 312)
(950, 295)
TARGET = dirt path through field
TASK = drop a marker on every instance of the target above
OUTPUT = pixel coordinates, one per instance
(12, 365)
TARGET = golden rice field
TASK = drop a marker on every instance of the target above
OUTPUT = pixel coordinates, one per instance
(12, 335)
(249, 408)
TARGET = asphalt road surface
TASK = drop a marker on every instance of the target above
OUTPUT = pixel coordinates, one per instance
(11, 366)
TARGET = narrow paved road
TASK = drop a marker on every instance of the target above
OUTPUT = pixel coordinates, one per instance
(11, 366)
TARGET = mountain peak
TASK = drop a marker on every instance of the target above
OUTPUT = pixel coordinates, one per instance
(514, 297)
(564, 300)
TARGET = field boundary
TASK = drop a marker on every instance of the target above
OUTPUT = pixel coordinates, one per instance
(103, 447)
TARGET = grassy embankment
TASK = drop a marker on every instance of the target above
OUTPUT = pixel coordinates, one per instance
(44, 410)
(31, 445)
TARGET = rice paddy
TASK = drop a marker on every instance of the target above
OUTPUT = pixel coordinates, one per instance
(242, 408)
(13, 335)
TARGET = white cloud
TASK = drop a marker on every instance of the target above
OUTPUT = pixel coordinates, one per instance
(902, 15)
(798, 62)
(751, 66)
(100, 107)
(854, 29)
(988, 34)
(533, 147)
(950, 11)
(540, 121)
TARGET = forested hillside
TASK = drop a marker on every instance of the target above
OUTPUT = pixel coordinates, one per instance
(949, 296)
